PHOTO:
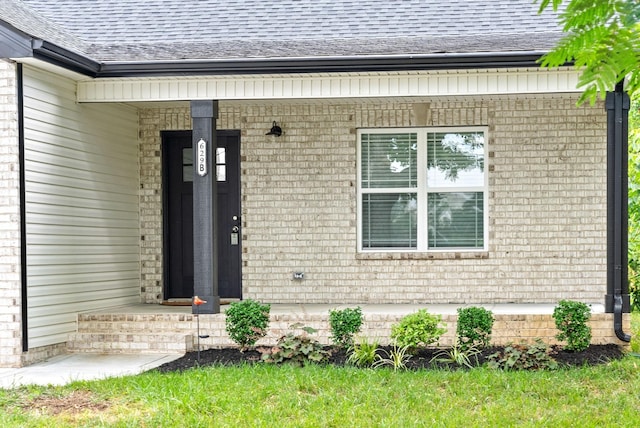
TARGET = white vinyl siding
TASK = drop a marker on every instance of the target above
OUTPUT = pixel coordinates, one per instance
(82, 184)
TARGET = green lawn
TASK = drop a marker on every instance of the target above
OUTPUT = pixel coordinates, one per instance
(274, 396)
(635, 329)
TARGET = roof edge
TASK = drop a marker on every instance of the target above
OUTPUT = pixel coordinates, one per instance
(65, 58)
(54, 54)
(321, 64)
(15, 42)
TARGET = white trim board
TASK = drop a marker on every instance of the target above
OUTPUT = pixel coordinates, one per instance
(483, 82)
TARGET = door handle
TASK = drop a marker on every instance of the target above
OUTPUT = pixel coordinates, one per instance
(235, 229)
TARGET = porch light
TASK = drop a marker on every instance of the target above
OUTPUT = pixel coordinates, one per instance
(275, 130)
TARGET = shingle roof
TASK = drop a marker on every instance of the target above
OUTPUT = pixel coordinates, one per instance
(158, 30)
(31, 22)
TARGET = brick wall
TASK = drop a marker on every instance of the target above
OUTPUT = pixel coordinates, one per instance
(547, 203)
(10, 303)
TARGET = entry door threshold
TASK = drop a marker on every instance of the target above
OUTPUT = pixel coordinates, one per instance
(177, 302)
(187, 301)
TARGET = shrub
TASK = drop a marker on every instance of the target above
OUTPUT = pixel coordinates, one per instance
(474, 327)
(344, 324)
(246, 322)
(418, 329)
(293, 348)
(523, 357)
(571, 319)
(363, 353)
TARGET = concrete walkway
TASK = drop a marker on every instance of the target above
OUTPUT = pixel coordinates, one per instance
(64, 369)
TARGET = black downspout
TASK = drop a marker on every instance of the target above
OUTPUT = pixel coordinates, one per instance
(23, 221)
(617, 298)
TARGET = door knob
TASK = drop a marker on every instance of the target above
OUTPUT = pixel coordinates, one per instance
(235, 229)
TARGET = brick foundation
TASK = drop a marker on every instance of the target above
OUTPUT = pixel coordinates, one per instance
(166, 333)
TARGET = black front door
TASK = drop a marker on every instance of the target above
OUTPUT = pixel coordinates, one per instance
(178, 209)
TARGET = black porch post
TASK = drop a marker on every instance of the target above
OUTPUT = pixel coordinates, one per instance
(617, 298)
(205, 236)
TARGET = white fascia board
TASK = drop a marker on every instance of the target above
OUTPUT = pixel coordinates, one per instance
(440, 83)
(46, 66)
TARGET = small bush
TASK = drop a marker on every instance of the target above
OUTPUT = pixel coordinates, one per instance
(363, 353)
(298, 349)
(416, 330)
(474, 327)
(344, 324)
(523, 357)
(246, 322)
(571, 319)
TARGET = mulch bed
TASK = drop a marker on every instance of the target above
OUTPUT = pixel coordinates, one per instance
(594, 355)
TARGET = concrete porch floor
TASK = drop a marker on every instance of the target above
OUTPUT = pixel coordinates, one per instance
(389, 309)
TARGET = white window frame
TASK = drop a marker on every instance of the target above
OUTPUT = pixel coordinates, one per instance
(423, 190)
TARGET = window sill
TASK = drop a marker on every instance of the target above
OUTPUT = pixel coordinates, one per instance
(446, 255)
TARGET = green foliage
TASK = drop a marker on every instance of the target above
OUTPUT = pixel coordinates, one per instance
(635, 332)
(246, 322)
(458, 355)
(634, 204)
(298, 349)
(602, 40)
(571, 319)
(634, 279)
(474, 327)
(416, 330)
(396, 358)
(363, 353)
(523, 357)
(344, 324)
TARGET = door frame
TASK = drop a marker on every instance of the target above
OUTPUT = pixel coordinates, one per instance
(164, 137)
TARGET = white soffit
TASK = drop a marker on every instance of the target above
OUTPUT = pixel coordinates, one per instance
(331, 86)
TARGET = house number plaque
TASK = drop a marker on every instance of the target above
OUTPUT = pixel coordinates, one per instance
(202, 157)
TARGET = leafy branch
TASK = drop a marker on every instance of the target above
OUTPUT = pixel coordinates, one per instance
(602, 41)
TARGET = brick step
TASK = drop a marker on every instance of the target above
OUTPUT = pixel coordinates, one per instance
(133, 328)
(119, 343)
(134, 323)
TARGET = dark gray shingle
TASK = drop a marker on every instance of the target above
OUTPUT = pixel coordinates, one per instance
(135, 30)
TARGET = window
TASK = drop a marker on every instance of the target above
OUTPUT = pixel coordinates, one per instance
(422, 189)
(187, 164)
